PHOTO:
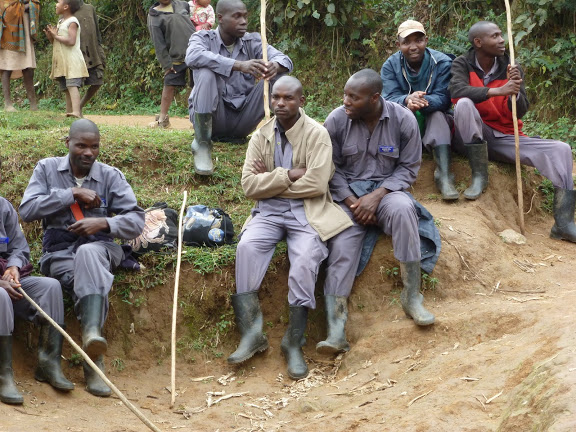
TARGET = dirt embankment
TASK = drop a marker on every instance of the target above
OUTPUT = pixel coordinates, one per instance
(501, 356)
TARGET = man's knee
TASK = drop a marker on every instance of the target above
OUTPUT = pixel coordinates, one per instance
(204, 77)
(5, 299)
(464, 106)
(398, 205)
(52, 288)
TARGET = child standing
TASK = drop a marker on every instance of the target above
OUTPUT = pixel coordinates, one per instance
(202, 14)
(68, 66)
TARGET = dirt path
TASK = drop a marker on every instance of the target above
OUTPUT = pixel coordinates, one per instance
(501, 356)
(138, 121)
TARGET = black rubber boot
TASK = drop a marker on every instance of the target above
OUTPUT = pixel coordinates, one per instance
(202, 144)
(49, 352)
(564, 227)
(336, 316)
(249, 321)
(478, 160)
(293, 341)
(9, 394)
(410, 297)
(443, 178)
(93, 343)
(94, 384)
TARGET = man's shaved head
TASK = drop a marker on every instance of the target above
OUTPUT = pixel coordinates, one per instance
(290, 82)
(479, 29)
(81, 126)
(367, 78)
(225, 6)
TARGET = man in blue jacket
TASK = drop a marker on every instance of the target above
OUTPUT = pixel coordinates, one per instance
(417, 78)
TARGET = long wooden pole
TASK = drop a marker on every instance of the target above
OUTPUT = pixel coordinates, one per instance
(265, 57)
(175, 304)
(515, 121)
(91, 364)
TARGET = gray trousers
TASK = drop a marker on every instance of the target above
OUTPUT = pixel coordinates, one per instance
(88, 271)
(437, 130)
(46, 292)
(226, 121)
(552, 158)
(305, 251)
(396, 217)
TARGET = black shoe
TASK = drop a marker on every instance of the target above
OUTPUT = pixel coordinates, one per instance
(478, 160)
(443, 178)
(293, 341)
(336, 317)
(49, 352)
(9, 394)
(93, 343)
(410, 297)
(249, 321)
(564, 227)
(94, 384)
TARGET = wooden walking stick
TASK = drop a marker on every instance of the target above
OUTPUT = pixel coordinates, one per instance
(515, 121)
(88, 360)
(175, 305)
(265, 57)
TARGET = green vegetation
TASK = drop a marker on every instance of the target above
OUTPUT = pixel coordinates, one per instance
(328, 41)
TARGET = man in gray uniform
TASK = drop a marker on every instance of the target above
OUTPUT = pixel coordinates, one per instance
(287, 169)
(225, 103)
(84, 205)
(377, 153)
(418, 77)
(482, 85)
(15, 268)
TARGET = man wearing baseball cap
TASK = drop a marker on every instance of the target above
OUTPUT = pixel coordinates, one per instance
(418, 77)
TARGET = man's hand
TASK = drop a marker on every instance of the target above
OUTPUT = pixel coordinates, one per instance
(87, 196)
(296, 174)
(10, 289)
(171, 70)
(89, 226)
(364, 209)
(512, 87)
(258, 68)
(12, 275)
(258, 167)
(416, 101)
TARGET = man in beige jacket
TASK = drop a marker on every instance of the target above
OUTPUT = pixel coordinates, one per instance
(287, 169)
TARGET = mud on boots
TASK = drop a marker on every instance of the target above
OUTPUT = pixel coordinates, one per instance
(410, 297)
(336, 317)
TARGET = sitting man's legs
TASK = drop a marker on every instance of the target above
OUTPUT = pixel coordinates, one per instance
(345, 250)
(8, 391)
(253, 255)
(87, 276)
(47, 293)
(397, 217)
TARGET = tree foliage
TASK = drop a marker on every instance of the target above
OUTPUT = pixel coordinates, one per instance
(328, 40)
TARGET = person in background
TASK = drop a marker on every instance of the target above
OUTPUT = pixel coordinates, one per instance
(19, 22)
(68, 66)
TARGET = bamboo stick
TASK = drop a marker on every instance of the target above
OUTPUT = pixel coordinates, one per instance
(265, 58)
(175, 304)
(515, 121)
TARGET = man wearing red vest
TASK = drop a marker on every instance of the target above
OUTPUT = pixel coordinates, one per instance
(482, 85)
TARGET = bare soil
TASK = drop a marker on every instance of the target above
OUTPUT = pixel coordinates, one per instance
(501, 356)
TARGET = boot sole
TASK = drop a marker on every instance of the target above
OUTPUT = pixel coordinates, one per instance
(99, 393)
(260, 349)
(11, 401)
(330, 349)
(420, 323)
(95, 348)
